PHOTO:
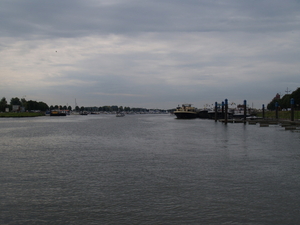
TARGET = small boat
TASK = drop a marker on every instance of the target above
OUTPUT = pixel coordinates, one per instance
(239, 113)
(120, 114)
(186, 111)
(84, 113)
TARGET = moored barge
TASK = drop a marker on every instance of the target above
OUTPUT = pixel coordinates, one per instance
(186, 111)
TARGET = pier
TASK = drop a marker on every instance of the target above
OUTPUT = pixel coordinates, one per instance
(287, 124)
(224, 117)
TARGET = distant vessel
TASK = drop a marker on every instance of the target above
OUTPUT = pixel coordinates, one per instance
(84, 113)
(239, 113)
(121, 114)
(186, 111)
(57, 112)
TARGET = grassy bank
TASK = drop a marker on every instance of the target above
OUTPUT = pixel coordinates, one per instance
(286, 115)
(21, 114)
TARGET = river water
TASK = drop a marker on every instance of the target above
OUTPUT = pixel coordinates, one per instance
(146, 169)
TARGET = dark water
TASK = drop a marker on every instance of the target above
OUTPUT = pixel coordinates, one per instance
(147, 169)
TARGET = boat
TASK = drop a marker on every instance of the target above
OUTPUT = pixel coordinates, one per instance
(83, 113)
(120, 114)
(186, 111)
(239, 113)
(56, 112)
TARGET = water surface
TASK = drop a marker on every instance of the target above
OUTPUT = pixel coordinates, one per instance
(146, 169)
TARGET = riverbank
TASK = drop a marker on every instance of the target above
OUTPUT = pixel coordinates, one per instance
(22, 114)
(286, 115)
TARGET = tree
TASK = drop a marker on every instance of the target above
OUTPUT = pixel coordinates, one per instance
(43, 106)
(15, 101)
(106, 108)
(114, 108)
(69, 108)
(3, 104)
(23, 102)
(271, 105)
(296, 96)
(285, 101)
(32, 105)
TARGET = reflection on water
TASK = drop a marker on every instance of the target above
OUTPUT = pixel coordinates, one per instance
(146, 169)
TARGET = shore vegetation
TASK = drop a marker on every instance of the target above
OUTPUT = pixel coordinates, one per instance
(21, 114)
(286, 115)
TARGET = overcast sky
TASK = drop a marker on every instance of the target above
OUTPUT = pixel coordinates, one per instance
(149, 53)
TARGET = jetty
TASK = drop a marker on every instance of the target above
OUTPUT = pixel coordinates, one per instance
(287, 124)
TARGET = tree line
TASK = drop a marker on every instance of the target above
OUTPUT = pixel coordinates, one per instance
(23, 103)
(285, 101)
(42, 106)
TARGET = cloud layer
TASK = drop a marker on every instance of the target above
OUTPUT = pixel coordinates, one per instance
(154, 54)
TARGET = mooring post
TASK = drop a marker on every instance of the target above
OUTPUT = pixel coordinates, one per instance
(292, 109)
(226, 110)
(245, 110)
(223, 110)
(276, 108)
(216, 111)
(263, 111)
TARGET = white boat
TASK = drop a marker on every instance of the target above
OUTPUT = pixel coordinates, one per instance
(84, 113)
(120, 114)
(239, 113)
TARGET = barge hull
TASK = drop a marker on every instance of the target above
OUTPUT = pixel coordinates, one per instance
(186, 115)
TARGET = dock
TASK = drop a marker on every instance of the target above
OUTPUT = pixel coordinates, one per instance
(287, 124)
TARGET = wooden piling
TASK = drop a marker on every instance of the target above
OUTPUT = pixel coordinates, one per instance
(245, 111)
(226, 111)
(223, 116)
(276, 107)
(292, 109)
(216, 111)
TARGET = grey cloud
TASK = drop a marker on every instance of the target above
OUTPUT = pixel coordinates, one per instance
(79, 18)
(149, 52)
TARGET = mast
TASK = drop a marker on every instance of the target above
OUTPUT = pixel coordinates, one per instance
(75, 104)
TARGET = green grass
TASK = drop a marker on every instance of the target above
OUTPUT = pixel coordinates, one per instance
(21, 114)
(281, 115)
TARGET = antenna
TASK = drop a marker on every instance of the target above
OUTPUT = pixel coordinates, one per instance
(287, 91)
